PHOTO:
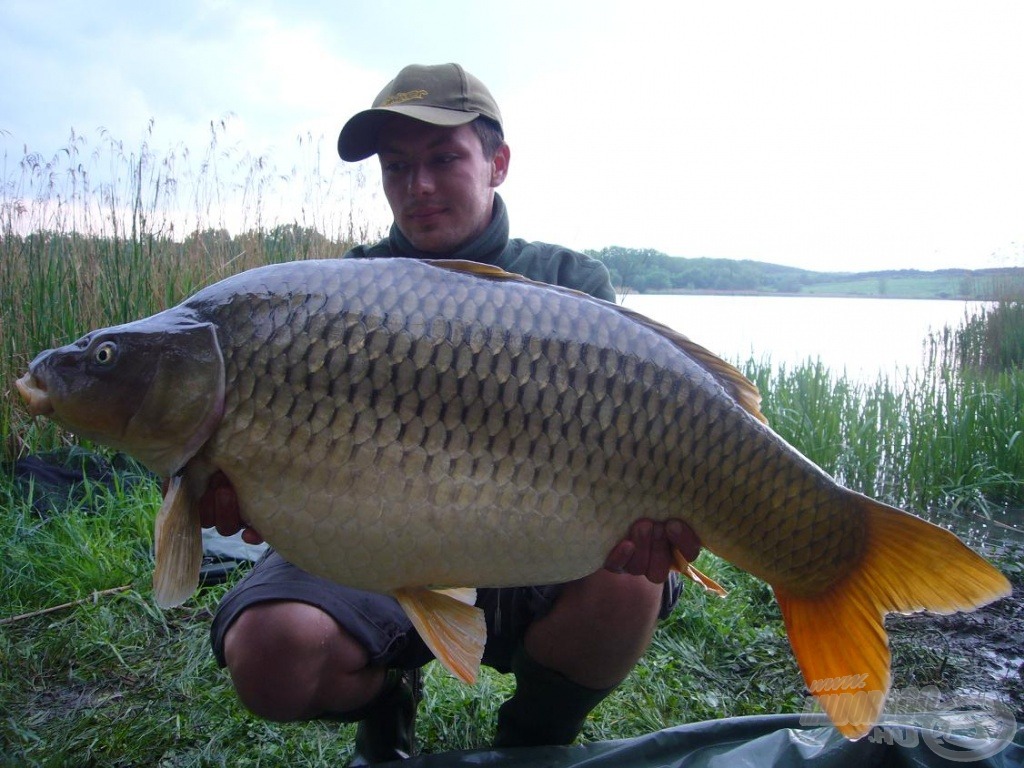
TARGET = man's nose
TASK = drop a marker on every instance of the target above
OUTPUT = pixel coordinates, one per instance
(421, 180)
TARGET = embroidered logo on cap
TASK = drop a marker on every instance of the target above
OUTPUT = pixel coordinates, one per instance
(400, 98)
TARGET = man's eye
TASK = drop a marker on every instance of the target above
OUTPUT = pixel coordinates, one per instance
(394, 167)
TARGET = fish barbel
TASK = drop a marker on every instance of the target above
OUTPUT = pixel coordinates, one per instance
(417, 428)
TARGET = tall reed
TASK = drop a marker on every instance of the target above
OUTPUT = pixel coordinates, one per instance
(942, 437)
(97, 237)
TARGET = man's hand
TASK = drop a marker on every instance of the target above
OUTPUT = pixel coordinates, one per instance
(218, 508)
(647, 550)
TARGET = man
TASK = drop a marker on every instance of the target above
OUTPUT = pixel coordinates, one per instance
(299, 647)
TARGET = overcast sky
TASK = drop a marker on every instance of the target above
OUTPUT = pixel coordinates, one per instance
(826, 135)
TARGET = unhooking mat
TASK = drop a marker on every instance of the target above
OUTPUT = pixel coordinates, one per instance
(771, 741)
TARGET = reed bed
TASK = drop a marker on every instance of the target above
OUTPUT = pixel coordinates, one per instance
(940, 438)
(100, 235)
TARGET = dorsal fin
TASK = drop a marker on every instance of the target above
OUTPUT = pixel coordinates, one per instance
(739, 387)
(476, 268)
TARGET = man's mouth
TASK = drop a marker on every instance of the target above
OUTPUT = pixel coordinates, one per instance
(425, 213)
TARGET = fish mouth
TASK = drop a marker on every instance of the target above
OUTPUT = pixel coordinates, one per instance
(34, 393)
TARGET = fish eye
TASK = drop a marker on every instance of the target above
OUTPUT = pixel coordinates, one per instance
(105, 353)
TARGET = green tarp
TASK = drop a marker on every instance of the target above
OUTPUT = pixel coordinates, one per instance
(759, 742)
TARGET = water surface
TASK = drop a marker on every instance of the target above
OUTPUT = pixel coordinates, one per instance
(861, 337)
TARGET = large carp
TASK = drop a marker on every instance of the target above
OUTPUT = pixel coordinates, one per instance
(416, 427)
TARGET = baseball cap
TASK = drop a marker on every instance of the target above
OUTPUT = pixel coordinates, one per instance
(440, 94)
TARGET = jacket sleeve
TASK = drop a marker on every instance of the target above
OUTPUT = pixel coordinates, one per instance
(560, 266)
(585, 274)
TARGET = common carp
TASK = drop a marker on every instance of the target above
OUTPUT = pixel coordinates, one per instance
(424, 428)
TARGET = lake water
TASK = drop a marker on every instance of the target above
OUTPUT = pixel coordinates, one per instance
(863, 337)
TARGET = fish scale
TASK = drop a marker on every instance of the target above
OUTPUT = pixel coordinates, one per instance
(398, 426)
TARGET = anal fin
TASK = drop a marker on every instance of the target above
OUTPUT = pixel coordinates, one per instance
(178, 541)
(465, 595)
(683, 566)
(452, 627)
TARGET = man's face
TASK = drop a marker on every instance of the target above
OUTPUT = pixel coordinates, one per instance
(438, 183)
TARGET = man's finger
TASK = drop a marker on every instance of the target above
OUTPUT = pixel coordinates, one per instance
(226, 502)
(640, 533)
(251, 536)
(683, 538)
(619, 557)
(660, 560)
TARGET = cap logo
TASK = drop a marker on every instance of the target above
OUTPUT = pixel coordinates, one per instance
(404, 96)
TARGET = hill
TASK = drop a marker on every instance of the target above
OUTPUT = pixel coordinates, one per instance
(649, 271)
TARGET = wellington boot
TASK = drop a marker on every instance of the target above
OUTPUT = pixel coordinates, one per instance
(386, 727)
(547, 708)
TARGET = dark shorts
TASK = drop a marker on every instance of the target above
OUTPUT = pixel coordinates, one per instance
(377, 621)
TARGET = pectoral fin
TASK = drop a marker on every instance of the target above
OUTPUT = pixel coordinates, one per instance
(178, 541)
(684, 567)
(452, 627)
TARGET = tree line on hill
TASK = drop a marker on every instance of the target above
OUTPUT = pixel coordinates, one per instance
(649, 271)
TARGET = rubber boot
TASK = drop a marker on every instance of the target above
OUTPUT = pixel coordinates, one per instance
(547, 708)
(386, 727)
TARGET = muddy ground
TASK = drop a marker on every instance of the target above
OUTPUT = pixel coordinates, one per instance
(966, 656)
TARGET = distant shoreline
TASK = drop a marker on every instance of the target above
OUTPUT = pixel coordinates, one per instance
(649, 272)
(805, 295)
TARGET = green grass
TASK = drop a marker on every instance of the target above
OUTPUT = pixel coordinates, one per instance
(939, 438)
(901, 286)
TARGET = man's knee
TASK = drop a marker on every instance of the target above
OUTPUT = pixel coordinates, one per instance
(281, 655)
(618, 595)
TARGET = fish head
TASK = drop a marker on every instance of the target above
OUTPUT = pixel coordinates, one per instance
(153, 388)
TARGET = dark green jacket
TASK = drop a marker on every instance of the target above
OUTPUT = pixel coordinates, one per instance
(543, 262)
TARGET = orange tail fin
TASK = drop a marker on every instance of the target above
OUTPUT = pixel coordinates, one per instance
(838, 636)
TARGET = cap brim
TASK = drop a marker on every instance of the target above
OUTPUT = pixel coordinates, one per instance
(358, 137)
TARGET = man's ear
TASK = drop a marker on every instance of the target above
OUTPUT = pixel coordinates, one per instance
(499, 165)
